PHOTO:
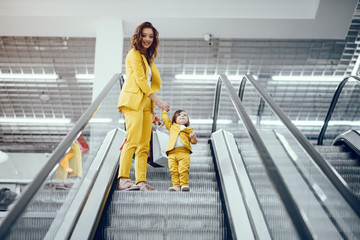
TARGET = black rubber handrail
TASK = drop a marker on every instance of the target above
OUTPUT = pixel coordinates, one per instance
(24, 199)
(350, 138)
(216, 105)
(271, 169)
(326, 168)
(332, 107)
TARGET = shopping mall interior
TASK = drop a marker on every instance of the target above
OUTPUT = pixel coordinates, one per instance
(272, 91)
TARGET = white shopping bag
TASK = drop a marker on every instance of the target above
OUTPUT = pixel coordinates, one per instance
(159, 144)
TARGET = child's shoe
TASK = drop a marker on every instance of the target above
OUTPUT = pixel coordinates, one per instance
(174, 189)
(185, 188)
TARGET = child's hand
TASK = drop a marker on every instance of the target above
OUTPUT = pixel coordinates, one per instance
(193, 137)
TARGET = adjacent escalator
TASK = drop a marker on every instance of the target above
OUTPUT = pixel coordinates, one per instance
(298, 193)
(346, 162)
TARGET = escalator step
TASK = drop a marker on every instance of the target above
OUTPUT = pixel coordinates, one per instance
(348, 170)
(332, 149)
(351, 178)
(164, 234)
(32, 222)
(126, 208)
(195, 167)
(194, 186)
(170, 197)
(193, 176)
(344, 162)
(200, 152)
(51, 195)
(44, 206)
(28, 233)
(335, 155)
(355, 187)
(160, 221)
(201, 158)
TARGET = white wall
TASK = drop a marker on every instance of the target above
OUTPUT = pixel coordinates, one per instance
(22, 166)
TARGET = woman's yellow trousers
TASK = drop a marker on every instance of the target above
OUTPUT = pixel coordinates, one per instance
(138, 134)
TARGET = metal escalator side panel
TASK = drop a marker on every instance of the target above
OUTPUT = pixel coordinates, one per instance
(244, 223)
(105, 174)
(73, 211)
(251, 199)
(351, 139)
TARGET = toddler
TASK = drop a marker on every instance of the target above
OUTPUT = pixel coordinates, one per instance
(179, 149)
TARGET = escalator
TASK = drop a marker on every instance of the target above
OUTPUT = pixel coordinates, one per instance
(284, 170)
(344, 151)
(162, 214)
(40, 214)
(42, 211)
(346, 162)
(94, 209)
(248, 183)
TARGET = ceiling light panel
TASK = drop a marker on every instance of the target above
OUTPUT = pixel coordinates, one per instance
(34, 67)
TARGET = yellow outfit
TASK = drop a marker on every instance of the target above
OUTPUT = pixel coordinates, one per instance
(65, 162)
(72, 160)
(178, 158)
(137, 107)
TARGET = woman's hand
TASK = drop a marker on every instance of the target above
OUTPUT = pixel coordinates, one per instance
(161, 104)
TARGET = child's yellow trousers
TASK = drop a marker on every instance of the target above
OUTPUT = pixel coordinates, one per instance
(179, 164)
(74, 161)
(138, 134)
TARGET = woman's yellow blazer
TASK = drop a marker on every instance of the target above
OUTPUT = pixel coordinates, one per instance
(136, 85)
(174, 132)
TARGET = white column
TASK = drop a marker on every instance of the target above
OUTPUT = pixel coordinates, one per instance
(108, 53)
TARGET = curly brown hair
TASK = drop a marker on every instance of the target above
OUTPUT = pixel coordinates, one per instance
(151, 52)
(176, 114)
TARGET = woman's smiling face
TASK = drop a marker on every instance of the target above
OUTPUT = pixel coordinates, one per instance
(147, 37)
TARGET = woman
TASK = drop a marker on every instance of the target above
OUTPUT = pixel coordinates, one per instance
(137, 100)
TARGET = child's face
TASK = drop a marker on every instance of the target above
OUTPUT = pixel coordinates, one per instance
(182, 119)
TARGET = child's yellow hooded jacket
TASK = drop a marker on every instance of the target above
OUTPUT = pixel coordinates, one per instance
(174, 131)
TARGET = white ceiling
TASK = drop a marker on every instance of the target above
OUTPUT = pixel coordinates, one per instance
(263, 19)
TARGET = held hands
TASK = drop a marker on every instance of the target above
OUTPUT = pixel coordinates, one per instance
(162, 105)
(193, 137)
